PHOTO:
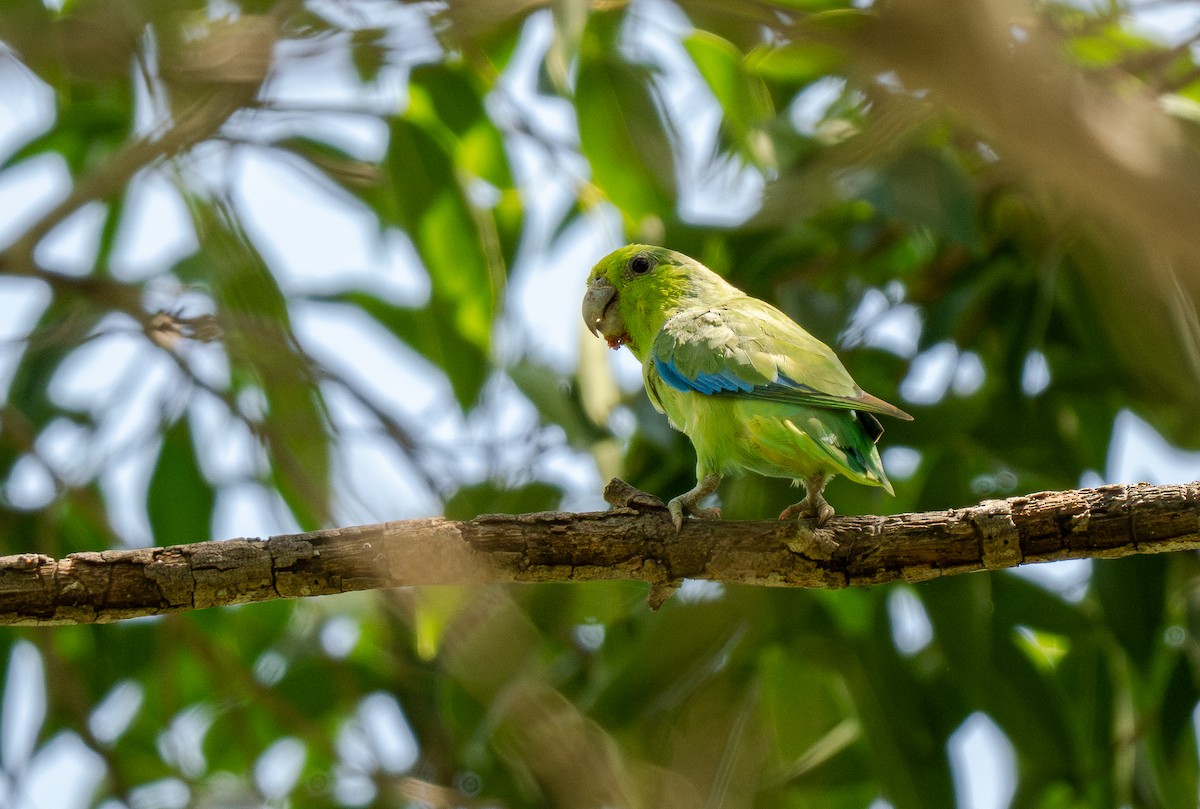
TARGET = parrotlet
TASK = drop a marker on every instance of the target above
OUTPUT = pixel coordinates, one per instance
(750, 388)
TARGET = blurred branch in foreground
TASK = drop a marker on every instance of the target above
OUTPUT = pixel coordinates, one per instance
(105, 586)
(1097, 140)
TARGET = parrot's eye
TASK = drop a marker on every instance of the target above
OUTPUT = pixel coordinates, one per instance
(639, 265)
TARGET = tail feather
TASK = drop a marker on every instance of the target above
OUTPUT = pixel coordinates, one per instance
(815, 439)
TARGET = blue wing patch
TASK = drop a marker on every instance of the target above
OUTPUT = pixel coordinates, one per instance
(709, 384)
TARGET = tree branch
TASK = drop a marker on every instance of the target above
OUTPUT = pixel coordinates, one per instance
(625, 543)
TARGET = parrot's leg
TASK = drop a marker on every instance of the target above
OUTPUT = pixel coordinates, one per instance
(814, 504)
(688, 502)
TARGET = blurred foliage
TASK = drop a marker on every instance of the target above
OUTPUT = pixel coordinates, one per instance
(1013, 325)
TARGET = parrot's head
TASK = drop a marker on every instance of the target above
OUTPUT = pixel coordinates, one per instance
(632, 292)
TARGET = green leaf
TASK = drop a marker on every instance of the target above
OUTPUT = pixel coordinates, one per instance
(25, 24)
(906, 722)
(63, 326)
(449, 93)
(806, 748)
(989, 670)
(796, 63)
(1132, 593)
(430, 331)
(557, 402)
(1179, 699)
(264, 353)
(180, 499)
(491, 498)
(481, 153)
(1108, 46)
(621, 131)
(434, 211)
(743, 97)
(360, 178)
(924, 187)
(447, 99)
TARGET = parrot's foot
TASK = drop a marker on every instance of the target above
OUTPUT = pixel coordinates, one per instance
(688, 502)
(679, 511)
(821, 511)
(813, 505)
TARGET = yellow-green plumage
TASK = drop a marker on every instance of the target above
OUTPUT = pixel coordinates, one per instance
(749, 387)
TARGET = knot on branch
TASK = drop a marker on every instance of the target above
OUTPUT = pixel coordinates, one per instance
(999, 540)
(620, 494)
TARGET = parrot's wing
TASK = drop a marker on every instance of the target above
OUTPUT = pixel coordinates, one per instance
(748, 348)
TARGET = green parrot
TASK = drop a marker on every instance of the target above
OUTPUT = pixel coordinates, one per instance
(749, 387)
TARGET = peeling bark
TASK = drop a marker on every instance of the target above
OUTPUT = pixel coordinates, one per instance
(625, 543)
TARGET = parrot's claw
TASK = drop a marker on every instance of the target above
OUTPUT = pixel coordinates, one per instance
(814, 505)
(676, 509)
(821, 512)
(681, 507)
(689, 502)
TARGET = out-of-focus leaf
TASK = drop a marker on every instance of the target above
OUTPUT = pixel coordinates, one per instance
(1132, 593)
(435, 607)
(806, 748)
(815, 6)
(488, 498)
(1018, 601)
(956, 314)
(360, 178)
(621, 131)
(25, 25)
(1109, 46)
(488, 28)
(180, 500)
(557, 402)
(114, 212)
(447, 99)
(308, 686)
(924, 187)
(904, 723)
(264, 353)
(796, 63)
(62, 327)
(481, 153)
(449, 94)
(430, 331)
(991, 671)
(583, 607)
(743, 97)
(87, 131)
(1086, 698)
(438, 218)
(1178, 705)
(683, 646)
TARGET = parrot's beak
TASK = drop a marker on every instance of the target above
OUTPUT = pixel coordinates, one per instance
(601, 315)
(599, 296)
